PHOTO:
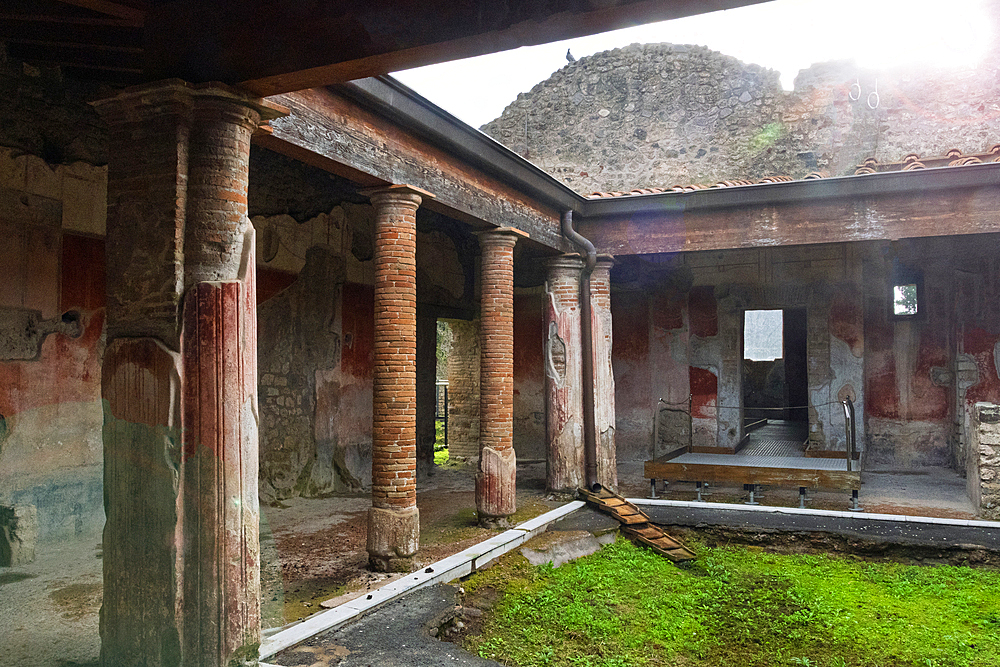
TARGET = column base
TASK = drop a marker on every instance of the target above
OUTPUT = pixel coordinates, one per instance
(393, 538)
(496, 493)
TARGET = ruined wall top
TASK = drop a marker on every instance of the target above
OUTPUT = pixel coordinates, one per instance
(657, 115)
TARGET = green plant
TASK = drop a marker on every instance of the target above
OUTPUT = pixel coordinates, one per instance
(736, 607)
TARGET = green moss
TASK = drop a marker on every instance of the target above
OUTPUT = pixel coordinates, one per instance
(440, 456)
(737, 607)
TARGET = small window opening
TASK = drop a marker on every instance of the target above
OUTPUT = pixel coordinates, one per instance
(907, 291)
(904, 300)
(763, 335)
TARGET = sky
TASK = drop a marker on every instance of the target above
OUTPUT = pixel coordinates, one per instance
(784, 35)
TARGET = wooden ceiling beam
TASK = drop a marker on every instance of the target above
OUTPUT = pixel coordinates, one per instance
(272, 47)
(73, 20)
(91, 46)
(116, 9)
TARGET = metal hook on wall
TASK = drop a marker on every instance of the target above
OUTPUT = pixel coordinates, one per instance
(875, 94)
(851, 94)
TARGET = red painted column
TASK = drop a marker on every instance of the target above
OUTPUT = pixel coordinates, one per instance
(394, 521)
(604, 379)
(563, 376)
(495, 489)
(181, 547)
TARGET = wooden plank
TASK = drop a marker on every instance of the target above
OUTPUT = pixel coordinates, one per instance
(830, 479)
(648, 532)
(333, 133)
(637, 525)
(625, 510)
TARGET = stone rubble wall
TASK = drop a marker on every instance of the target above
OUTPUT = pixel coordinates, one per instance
(983, 473)
(657, 115)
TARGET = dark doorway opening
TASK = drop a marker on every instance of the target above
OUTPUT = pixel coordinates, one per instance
(775, 373)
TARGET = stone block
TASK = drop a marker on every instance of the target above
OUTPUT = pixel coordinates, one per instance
(560, 547)
(18, 535)
(989, 435)
(987, 413)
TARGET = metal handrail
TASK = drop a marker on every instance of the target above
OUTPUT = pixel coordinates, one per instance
(849, 431)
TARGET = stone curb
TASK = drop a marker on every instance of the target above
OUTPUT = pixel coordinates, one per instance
(768, 509)
(448, 569)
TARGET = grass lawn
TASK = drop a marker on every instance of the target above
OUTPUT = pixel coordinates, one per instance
(440, 448)
(737, 607)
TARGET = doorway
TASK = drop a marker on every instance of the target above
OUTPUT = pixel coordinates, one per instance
(775, 383)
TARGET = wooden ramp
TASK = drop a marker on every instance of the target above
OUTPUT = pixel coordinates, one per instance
(637, 525)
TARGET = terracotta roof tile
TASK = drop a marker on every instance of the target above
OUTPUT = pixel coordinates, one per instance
(871, 165)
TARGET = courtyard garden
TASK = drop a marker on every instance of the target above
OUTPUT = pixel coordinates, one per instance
(734, 607)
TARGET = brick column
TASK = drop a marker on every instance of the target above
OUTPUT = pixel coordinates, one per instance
(495, 490)
(179, 380)
(393, 521)
(604, 379)
(563, 376)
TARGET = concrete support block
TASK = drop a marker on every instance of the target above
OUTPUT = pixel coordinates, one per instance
(18, 535)
(393, 538)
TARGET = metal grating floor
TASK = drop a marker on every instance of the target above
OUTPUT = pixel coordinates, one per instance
(777, 438)
(771, 447)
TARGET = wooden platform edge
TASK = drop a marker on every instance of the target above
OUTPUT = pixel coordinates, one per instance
(791, 477)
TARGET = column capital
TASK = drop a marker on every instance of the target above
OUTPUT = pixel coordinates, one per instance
(569, 262)
(178, 96)
(398, 194)
(606, 261)
(504, 235)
